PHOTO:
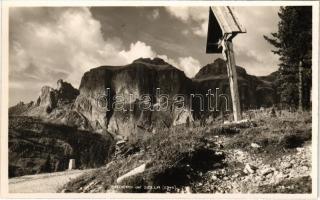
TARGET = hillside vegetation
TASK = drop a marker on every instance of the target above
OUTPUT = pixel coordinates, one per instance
(266, 154)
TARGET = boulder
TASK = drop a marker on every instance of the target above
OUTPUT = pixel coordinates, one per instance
(135, 171)
(183, 117)
(255, 145)
(266, 171)
(249, 169)
(286, 165)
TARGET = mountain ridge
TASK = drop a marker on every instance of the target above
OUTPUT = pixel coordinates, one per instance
(78, 107)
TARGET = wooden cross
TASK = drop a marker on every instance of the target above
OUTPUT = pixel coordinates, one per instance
(222, 28)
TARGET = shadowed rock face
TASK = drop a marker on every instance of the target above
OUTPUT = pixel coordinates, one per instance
(36, 147)
(66, 93)
(93, 106)
(131, 82)
(254, 91)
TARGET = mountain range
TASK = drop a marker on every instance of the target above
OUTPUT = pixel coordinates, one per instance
(79, 107)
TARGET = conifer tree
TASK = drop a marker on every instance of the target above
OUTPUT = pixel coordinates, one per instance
(293, 43)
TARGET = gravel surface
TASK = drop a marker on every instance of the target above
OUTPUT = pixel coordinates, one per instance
(251, 173)
(42, 183)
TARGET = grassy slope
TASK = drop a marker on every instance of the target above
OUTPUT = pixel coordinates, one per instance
(181, 156)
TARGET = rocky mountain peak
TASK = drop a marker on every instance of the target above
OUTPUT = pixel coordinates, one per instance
(66, 92)
(218, 68)
(154, 61)
(142, 76)
(254, 91)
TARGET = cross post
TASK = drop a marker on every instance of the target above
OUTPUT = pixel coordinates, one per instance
(222, 28)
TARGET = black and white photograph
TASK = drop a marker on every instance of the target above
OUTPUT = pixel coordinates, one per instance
(203, 98)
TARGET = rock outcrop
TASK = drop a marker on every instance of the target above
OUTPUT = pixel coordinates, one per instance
(66, 93)
(51, 98)
(36, 147)
(54, 105)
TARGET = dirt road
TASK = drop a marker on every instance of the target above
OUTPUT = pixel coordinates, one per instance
(42, 183)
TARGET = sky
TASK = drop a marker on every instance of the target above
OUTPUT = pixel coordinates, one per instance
(51, 43)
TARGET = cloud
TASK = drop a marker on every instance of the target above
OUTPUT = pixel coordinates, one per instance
(185, 32)
(188, 13)
(65, 45)
(189, 65)
(201, 30)
(255, 63)
(69, 42)
(181, 13)
(252, 51)
(198, 15)
(138, 49)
